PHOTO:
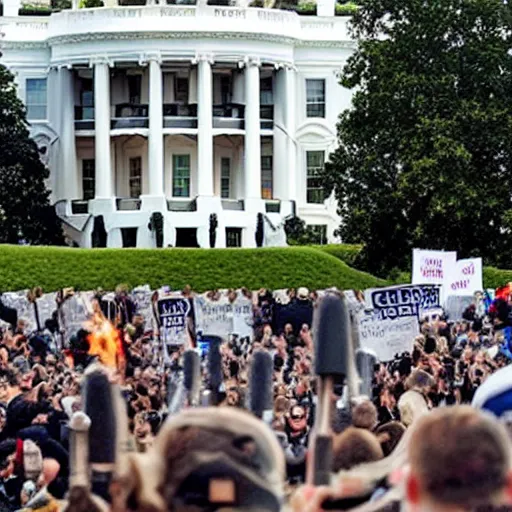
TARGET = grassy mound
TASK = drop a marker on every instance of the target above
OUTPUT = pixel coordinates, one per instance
(204, 269)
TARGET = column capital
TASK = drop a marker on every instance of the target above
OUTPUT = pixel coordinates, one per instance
(203, 57)
(58, 67)
(146, 58)
(249, 61)
(287, 66)
(101, 59)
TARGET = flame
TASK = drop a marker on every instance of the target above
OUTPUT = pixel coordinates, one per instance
(105, 342)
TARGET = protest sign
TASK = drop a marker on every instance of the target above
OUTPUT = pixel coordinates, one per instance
(432, 267)
(403, 301)
(173, 313)
(19, 302)
(224, 317)
(387, 337)
(465, 278)
(455, 305)
(242, 316)
(74, 312)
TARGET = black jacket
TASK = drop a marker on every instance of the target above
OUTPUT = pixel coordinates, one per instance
(21, 413)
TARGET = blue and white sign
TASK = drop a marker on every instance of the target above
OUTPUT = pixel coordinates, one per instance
(403, 301)
(173, 313)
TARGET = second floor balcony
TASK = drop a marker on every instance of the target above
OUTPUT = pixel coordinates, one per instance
(175, 115)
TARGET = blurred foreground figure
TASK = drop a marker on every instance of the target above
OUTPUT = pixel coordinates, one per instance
(209, 459)
(459, 460)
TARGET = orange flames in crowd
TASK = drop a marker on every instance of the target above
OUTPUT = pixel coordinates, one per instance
(105, 342)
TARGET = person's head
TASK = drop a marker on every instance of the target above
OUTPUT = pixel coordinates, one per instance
(7, 458)
(355, 446)
(389, 436)
(459, 459)
(421, 381)
(364, 415)
(297, 419)
(9, 384)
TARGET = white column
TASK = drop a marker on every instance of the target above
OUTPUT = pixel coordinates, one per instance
(102, 129)
(156, 139)
(291, 159)
(238, 87)
(280, 140)
(68, 187)
(205, 127)
(192, 86)
(252, 130)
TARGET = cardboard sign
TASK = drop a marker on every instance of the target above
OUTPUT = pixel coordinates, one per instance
(222, 317)
(403, 301)
(465, 278)
(432, 267)
(388, 337)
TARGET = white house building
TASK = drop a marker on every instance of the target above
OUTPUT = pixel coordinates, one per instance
(185, 110)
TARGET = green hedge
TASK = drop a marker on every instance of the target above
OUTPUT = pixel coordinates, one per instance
(347, 253)
(34, 10)
(53, 268)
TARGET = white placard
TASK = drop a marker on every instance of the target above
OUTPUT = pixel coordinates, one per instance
(465, 278)
(387, 337)
(432, 267)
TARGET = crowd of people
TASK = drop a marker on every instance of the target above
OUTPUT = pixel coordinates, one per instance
(413, 440)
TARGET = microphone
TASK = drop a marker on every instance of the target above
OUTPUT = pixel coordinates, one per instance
(99, 406)
(215, 374)
(192, 376)
(261, 389)
(79, 427)
(366, 360)
(332, 346)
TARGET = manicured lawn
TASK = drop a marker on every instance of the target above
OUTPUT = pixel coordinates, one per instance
(204, 269)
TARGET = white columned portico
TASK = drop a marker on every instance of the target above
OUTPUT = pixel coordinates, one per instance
(68, 159)
(104, 189)
(205, 126)
(156, 140)
(252, 130)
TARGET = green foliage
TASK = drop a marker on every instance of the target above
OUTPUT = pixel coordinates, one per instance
(306, 8)
(349, 253)
(89, 4)
(34, 10)
(297, 233)
(424, 156)
(60, 5)
(204, 269)
(346, 9)
(25, 210)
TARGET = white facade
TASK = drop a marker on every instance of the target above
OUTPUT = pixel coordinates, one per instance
(182, 110)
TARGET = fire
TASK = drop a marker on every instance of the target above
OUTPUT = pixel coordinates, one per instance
(105, 342)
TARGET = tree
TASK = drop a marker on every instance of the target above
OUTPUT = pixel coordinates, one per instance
(25, 210)
(424, 156)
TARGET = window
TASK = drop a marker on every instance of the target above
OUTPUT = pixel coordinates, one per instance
(315, 98)
(225, 89)
(266, 96)
(135, 177)
(129, 237)
(181, 175)
(36, 98)
(315, 164)
(266, 177)
(319, 233)
(181, 90)
(88, 179)
(87, 98)
(134, 87)
(225, 178)
(233, 237)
